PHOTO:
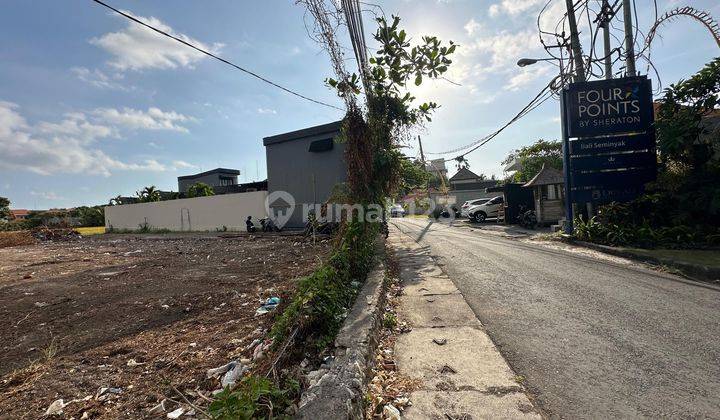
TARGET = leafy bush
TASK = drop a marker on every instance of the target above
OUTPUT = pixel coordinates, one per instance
(254, 398)
(200, 189)
(323, 298)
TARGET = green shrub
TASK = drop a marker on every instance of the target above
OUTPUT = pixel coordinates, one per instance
(322, 300)
(254, 398)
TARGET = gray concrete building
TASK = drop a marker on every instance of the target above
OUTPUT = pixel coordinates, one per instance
(219, 177)
(307, 164)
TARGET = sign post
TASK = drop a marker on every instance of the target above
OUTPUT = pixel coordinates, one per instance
(608, 140)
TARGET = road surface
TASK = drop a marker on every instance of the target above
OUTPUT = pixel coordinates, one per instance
(592, 338)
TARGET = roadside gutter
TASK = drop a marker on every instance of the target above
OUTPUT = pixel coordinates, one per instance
(338, 388)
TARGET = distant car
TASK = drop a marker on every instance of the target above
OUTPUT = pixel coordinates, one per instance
(470, 203)
(396, 210)
(489, 209)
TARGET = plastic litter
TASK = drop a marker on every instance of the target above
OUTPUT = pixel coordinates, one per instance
(176, 413)
(440, 341)
(56, 408)
(269, 305)
(232, 376)
(391, 413)
(220, 370)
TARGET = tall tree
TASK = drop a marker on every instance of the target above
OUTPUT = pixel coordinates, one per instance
(532, 158)
(4, 208)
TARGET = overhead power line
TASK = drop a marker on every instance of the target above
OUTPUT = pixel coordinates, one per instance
(208, 53)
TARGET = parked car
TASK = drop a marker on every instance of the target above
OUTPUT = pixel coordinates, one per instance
(488, 209)
(470, 203)
(396, 210)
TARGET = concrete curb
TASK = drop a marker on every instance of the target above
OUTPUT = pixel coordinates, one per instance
(337, 390)
(699, 272)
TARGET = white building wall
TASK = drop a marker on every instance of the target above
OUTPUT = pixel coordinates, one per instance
(190, 214)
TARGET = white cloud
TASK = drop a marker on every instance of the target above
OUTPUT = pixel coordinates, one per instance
(527, 76)
(181, 164)
(471, 27)
(137, 47)
(100, 79)
(46, 195)
(266, 111)
(514, 7)
(499, 52)
(68, 146)
(152, 119)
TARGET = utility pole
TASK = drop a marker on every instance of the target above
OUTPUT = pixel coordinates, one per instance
(629, 42)
(606, 17)
(575, 42)
(422, 155)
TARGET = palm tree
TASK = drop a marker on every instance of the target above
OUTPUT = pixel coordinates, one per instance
(116, 201)
(149, 194)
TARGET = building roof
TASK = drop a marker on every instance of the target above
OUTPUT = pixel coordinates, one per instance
(225, 171)
(463, 174)
(330, 128)
(547, 176)
(19, 212)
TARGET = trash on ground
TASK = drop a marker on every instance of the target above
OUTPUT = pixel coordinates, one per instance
(391, 413)
(232, 376)
(440, 341)
(56, 408)
(176, 413)
(268, 306)
(220, 370)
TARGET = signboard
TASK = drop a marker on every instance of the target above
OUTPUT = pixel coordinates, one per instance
(613, 179)
(611, 106)
(615, 144)
(607, 195)
(614, 161)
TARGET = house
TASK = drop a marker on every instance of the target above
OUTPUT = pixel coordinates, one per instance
(548, 194)
(221, 179)
(19, 214)
(306, 164)
(466, 185)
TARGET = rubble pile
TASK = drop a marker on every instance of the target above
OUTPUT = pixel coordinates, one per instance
(44, 233)
(17, 238)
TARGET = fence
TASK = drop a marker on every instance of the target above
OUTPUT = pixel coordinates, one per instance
(218, 212)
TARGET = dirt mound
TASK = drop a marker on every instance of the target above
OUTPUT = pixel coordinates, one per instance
(17, 238)
(44, 233)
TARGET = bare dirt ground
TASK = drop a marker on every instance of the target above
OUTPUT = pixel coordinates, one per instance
(144, 316)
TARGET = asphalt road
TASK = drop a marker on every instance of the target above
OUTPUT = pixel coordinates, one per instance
(592, 338)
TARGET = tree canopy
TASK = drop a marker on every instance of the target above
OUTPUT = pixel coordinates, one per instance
(531, 159)
(200, 189)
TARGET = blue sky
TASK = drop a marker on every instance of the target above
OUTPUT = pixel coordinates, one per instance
(92, 105)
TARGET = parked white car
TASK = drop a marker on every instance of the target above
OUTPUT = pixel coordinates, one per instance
(483, 211)
(470, 203)
(396, 210)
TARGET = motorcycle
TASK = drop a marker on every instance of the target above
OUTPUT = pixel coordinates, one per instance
(268, 225)
(527, 218)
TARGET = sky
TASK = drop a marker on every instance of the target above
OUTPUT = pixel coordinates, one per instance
(93, 106)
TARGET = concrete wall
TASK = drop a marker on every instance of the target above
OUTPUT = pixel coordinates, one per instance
(196, 214)
(308, 176)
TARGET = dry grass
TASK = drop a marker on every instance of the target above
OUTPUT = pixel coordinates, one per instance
(17, 238)
(87, 231)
